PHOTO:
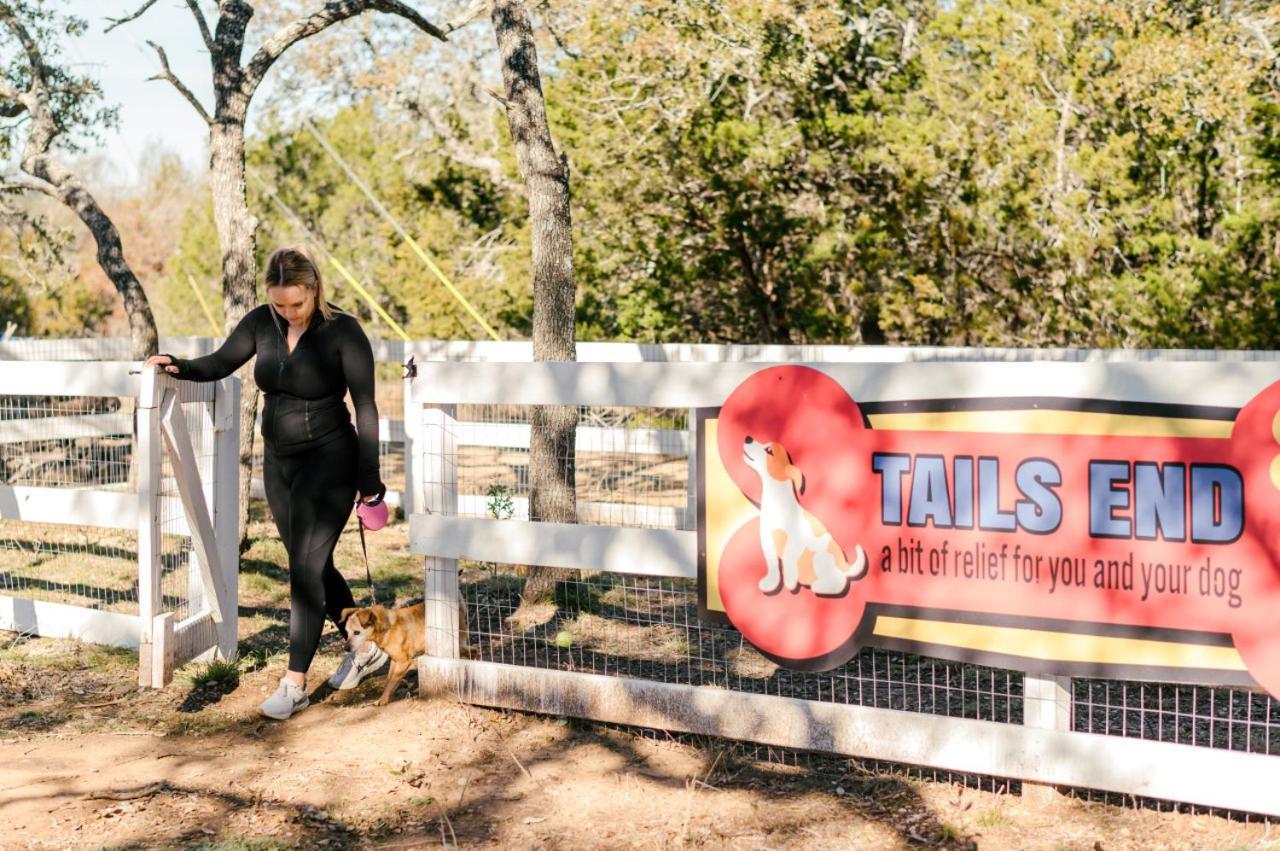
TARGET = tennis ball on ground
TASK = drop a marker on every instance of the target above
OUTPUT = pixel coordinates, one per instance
(564, 638)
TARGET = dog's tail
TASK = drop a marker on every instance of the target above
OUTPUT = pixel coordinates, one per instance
(859, 566)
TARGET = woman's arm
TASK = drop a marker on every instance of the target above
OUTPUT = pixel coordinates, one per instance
(357, 369)
(234, 352)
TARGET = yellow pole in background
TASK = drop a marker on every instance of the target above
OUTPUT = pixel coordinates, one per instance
(386, 214)
(355, 285)
(342, 270)
(204, 305)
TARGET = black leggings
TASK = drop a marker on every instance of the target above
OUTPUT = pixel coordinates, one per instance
(311, 495)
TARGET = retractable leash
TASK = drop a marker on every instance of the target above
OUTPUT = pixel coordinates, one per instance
(373, 516)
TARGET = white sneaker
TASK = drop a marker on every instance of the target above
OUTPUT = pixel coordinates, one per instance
(288, 699)
(357, 665)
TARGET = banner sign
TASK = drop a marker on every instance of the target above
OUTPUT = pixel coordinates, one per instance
(1064, 535)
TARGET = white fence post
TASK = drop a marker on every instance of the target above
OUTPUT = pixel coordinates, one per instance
(1046, 705)
(437, 438)
(226, 508)
(148, 466)
(409, 497)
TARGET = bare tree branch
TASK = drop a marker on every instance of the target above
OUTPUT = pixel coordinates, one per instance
(464, 155)
(45, 174)
(14, 101)
(200, 22)
(332, 13)
(471, 13)
(23, 183)
(115, 22)
(177, 84)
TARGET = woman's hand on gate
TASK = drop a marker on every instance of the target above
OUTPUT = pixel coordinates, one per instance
(162, 360)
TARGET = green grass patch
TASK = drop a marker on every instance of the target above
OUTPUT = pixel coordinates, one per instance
(220, 674)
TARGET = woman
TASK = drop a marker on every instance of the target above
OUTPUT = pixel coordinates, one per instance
(315, 464)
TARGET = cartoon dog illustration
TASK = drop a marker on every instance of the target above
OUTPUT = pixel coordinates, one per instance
(797, 548)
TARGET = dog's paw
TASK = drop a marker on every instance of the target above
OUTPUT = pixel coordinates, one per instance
(382, 701)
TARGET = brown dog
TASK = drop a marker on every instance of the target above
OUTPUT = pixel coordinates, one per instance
(401, 633)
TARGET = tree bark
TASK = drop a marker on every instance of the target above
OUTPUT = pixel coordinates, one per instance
(545, 173)
(233, 88)
(142, 324)
(236, 228)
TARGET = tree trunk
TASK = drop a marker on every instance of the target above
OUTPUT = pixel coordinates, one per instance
(546, 178)
(142, 324)
(236, 227)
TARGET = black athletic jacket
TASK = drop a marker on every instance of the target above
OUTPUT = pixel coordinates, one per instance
(304, 390)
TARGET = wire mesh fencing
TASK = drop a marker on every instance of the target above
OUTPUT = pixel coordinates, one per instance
(1205, 716)
(67, 443)
(630, 466)
(58, 444)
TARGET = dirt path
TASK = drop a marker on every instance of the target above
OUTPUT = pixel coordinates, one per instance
(424, 773)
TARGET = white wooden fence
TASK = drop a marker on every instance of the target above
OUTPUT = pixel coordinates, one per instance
(204, 510)
(1042, 751)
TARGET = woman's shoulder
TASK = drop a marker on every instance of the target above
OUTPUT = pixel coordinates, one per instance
(257, 317)
(259, 313)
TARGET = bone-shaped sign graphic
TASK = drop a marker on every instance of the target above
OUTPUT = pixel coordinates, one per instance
(1165, 532)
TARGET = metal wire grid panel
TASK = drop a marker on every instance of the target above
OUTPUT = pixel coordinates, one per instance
(67, 443)
(631, 465)
(1204, 716)
(648, 628)
(86, 443)
(181, 587)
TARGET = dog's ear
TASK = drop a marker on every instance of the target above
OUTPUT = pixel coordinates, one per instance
(796, 477)
(346, 613)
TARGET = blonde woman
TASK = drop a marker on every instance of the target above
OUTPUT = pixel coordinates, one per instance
(315, 463)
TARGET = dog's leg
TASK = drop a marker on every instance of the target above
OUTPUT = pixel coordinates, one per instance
(771, 542)
(831, 581)
(791, 563)
(394, 676)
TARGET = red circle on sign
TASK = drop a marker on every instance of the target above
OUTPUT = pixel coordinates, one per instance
(798, 629)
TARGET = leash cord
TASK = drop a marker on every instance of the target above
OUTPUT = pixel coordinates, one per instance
(373, 594)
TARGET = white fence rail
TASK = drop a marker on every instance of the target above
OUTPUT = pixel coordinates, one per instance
(204, 508)
(1042, 750)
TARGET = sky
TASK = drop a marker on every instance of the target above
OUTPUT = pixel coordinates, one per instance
(151, 112)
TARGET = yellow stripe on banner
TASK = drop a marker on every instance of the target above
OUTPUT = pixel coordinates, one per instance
(1052, 422)
(1060, 646)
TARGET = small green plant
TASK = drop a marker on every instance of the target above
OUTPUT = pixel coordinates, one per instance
(678, 646)
(993, 818)
(220, 674)
(499, 502)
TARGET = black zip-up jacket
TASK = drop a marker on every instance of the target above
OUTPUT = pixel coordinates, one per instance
(304, 389)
